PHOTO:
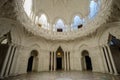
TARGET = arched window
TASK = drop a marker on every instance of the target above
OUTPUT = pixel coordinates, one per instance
(5, 41)
(113, 41)
(43, 21)
(6, 38)
(77, 23)
(94, 8)
(60, 25)
(28, 6)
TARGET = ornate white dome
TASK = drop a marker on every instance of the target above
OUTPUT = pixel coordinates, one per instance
(44, 17)
(66, 11)
(48, 13)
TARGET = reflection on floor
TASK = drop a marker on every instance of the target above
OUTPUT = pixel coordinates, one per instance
(61, 75)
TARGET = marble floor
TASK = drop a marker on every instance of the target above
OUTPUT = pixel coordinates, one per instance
(61, 75)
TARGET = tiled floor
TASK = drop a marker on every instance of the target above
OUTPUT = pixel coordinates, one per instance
(60, 75)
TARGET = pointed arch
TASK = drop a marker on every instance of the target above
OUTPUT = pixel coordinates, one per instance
(55, 46)
(42, 21)
(77, 22)
(59, 49)
(94, 8)
(59, 25)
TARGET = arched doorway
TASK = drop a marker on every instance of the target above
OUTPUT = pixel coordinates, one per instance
(86, 61)
(59, 59)
(30, 63)
(33, 61)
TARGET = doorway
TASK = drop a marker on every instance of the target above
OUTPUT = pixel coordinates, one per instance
(86, 61)
(33, 61)
(59, 63)
(59, 59)
(30, 63)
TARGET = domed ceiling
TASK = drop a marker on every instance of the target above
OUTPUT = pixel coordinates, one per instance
(77, 18)
(64, 9)
(72, 16)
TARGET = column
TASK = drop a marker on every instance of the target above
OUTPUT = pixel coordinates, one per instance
(64, 61)
(54, 61)
(104, 60)
(112, 61)
(108, 60)
(9, 62)
(13, 61)
(5, 62)
(51, 61)
(67, 61)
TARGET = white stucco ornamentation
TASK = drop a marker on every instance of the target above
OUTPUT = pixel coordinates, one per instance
(88, 28)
